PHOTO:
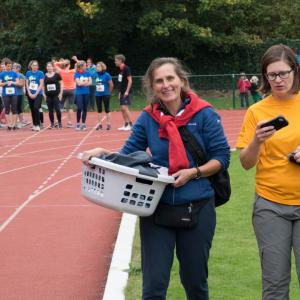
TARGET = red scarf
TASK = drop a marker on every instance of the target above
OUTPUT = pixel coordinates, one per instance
(169, 129)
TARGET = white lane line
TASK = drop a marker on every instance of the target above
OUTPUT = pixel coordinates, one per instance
(119, 268)
(42, 187)
(97, 142)
(21, 143)
(30, 198)
(50, 205)
(30, 166)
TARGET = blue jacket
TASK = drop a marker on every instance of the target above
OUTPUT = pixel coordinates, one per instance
(207, 129)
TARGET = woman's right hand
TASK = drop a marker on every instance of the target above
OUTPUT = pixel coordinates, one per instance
(87, 155)
(263, 133)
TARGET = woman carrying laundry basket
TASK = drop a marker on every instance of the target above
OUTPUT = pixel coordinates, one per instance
(185, 218)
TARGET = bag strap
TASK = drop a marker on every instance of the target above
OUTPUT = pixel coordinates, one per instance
(192, 145)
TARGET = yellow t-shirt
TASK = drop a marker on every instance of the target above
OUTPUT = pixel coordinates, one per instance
(277, 179)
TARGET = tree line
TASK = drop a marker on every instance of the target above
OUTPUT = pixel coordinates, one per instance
(210, 36)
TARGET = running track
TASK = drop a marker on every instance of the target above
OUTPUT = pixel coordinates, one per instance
(54, 244)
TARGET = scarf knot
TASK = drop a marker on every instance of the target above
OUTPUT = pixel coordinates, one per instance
(168, 129)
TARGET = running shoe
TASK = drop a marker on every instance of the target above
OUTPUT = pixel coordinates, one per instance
(69, 124)
(59, 126)
(126, 128)
(83, 127)
(41, 126)
(108, 127)
(25, 123)
(51, 126)
(2, 126)
(77, 126)
(99, 127)
(37, 128)
(122, 128)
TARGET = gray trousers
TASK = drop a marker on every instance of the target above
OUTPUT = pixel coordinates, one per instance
(277, 230)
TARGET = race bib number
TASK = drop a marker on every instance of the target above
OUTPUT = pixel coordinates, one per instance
(83, 79)
(120, 77)
(33, 86)
(10, 90)
(51, 87)
(100, 87)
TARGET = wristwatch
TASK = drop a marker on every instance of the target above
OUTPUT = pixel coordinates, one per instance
(198, 174)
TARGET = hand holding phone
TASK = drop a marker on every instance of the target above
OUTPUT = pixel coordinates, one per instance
(277, 122)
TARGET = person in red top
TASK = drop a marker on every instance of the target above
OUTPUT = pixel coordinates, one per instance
(69, 85)
(244, 86)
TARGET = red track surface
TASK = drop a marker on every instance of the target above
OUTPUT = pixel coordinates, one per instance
(54, 244)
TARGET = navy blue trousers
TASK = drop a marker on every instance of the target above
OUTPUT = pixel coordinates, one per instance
(82, 101)
(158, 244)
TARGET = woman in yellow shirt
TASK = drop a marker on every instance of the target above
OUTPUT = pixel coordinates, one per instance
(276, 214)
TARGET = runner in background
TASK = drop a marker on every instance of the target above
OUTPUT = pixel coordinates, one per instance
(53, 94)
(90, 67)
(2, 114)
(8, 80)
(69, 85)
(125, 90)
(34, 89)
(104, 87)
(83, 81)
(20, 95)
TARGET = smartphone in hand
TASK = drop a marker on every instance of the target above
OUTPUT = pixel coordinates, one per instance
(278, 122)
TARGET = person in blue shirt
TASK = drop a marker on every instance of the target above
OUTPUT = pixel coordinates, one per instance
(20, 95)
(90, 67)
(104, 87)
(34, 89)
(174, 104)
(83, 81)
(9, 81)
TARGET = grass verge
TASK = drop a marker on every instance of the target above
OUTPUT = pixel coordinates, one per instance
(234, 267)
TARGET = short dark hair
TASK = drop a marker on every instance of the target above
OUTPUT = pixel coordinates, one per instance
(276, 53)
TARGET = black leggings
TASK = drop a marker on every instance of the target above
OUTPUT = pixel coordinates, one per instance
(105, 100)
(35, 105)
(10, 104)
(53, 103)
(20, 104)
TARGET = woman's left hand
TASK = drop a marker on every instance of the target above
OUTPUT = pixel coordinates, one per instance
(183, 176)
(297, 155)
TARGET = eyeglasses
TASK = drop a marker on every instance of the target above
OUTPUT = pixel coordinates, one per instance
(283, 75)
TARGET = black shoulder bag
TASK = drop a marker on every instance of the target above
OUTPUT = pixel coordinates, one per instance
(221, 180)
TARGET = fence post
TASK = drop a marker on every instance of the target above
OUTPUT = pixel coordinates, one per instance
(233, 91)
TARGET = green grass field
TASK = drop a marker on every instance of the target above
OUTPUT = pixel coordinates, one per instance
(234, 267)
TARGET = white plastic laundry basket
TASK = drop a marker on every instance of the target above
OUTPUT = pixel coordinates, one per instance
(122, 188)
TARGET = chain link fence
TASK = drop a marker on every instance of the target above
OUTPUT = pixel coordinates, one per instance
(217, 87)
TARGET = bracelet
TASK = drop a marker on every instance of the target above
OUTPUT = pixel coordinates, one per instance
(198, 174)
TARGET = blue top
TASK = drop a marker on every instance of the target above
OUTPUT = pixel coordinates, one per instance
(102, 86)
(20, 89)
(9, 76)
(82, 90)
(34, 80)
(206, 128)
(93, 73)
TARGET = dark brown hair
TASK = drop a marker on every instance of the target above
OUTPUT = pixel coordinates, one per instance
(276, 53)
